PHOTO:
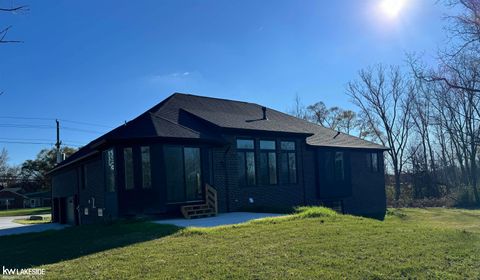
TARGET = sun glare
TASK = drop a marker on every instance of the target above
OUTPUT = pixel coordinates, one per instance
(392, 8)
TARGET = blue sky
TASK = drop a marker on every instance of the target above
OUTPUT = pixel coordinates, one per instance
(104, 62)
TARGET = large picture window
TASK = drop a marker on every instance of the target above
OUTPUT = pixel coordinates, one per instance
(183, 173)
(246, 162)
(109, 167)
(146, 167)
(268, 163)
(128, 164)
(288, 162)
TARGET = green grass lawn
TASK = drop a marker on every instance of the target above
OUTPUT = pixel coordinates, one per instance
(25, 211)
(411, 243)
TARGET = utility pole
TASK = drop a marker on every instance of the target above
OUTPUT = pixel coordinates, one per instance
(57, 144)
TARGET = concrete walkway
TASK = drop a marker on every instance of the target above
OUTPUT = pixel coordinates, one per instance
(8, 227)
(219, 220)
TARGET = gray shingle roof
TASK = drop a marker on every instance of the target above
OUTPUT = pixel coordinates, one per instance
(189, 116)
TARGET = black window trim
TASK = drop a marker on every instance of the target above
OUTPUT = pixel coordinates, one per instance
(268, 151)
(132, 148)
(141, 166)
(202, 182)
(104, 157)
(295, 152)
(370, 162)
(245, 150)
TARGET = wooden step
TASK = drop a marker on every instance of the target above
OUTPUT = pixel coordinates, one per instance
(197, 211)
(202, 215)
(206, 209)
(195, 207)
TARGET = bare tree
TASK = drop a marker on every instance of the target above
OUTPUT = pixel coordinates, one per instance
(4, 31)
(384, 97)
(298, 109)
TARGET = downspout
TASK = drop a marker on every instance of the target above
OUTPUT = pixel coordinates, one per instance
(226, 177)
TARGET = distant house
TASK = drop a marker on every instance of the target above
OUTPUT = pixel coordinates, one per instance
(11, 198)
(197, 156)
(38, 199)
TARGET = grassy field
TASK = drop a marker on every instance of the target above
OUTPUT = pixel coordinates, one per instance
(25, 211)
(316, 243)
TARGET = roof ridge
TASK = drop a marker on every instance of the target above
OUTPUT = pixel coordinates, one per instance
(216, 98)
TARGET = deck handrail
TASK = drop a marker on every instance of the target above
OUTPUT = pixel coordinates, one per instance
(211, 197)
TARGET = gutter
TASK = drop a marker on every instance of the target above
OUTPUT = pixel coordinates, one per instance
(72, 162)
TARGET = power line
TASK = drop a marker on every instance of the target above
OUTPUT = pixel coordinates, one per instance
(38, 143)
(85, 123)
(16, 125)
(43, 126)
(26, 118)
(38, 139)
(52, 119)
(81, 130)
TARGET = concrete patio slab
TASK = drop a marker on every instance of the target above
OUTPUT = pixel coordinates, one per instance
(219, 220)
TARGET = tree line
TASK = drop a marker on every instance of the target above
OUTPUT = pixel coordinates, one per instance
(31, 175)
(428, 115)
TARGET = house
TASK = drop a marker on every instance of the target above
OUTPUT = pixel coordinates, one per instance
(11, 198)
(38, 199)
(199, 155)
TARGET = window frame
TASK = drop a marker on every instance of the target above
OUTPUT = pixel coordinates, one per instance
(183, 177)
(370, 166)
(106, 172)
(335, 175)
(287, 153)
(148, 148)
(267, 152)
(126, 182)
(246, 151)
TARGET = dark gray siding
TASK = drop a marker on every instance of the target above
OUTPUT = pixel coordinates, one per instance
(368, 188)
(65, 183)
(92, 192)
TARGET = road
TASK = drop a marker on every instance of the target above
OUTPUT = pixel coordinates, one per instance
(8, 227)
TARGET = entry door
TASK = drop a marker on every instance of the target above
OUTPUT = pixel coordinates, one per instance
(70, 210)
(183, 173)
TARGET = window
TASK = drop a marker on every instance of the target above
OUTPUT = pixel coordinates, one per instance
(245, 144)
(128, 163)
(246, 162)
(373, 163)
(339, 167)
(146, 168)
(109, 167)
(183, 170)
(268, 163)
(288, 162)
(174, 173)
